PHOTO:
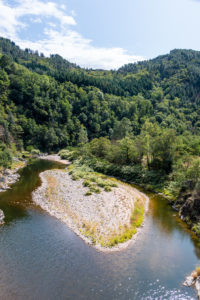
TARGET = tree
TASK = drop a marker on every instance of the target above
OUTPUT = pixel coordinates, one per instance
(5, 156)
(82, 136)
(121, 129)
(128, 151)
(100, 147)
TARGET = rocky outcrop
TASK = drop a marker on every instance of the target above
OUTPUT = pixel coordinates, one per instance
(188, 202)
(8, 177)
(189, 280)
(1, 217)
(197, 287)
(193, 280)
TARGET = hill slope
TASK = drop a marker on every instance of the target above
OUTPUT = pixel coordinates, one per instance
(50, 102)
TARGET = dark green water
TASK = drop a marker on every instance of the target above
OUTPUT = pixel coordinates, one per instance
(40, 258)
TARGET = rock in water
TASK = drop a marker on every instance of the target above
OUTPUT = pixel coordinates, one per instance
(197, 286)
(1, 217)
(189, 281)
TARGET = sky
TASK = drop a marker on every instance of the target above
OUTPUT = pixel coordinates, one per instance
(102, 34)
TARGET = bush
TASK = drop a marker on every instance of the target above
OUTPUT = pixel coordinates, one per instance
(5, 158)
(29, 148)
(88, 193)
(86, 183)
(94, 189)
(196, 228)
(64, 154)
(35, 152)
(107, 189)
(26, 154)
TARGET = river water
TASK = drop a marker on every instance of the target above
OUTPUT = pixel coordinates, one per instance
(41, 259)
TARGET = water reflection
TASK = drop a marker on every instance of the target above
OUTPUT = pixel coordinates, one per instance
(40, 258)
(14, 201)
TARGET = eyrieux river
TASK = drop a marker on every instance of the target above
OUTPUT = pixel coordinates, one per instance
(40, 258)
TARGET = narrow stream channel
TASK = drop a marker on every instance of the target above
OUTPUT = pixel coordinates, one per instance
(40, 258)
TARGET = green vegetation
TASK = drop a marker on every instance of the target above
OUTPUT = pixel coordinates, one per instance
(5, 157)
(127, 232)
(157, 158)
(196, 229)
(140, 123)
(95, 182)
(50, 104)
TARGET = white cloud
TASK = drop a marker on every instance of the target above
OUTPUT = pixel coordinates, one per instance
(35, 20)
(60, 39)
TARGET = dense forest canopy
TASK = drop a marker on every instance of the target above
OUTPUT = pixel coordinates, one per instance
(49, 102)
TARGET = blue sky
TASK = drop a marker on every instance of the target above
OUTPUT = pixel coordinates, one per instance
(102, 33)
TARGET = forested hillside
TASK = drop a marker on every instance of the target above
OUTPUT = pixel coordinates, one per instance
(141, 122)
(48, 102)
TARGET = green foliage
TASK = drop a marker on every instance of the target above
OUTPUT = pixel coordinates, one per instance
(95, 182)
(51, 104)
(82, 136)
(128, 232)
(142, 121)
(35, 152)
(196, 228)
(5, 157)
(68, 154)
(64, 154)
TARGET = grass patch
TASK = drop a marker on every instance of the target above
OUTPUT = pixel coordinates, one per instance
(107, 189)
(17, 164)
(88, 193)
(196, 228)
(127, 232)
(95, 182)
(89, 230)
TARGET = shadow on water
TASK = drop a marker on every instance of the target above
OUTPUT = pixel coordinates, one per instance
(169, 222)
(15, 200)
(167, 219)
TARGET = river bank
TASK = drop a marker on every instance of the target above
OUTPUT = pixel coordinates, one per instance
(106, 220)
(55, 157)
(10, 176)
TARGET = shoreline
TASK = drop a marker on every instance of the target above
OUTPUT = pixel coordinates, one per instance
(63, 210)
(10, 176)
(56, 158)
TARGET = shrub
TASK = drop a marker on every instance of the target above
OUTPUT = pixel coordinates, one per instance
(107, 189)
(86, 183)
(88, 193)
(5, 158)
(95, 189)
(64, 154)
(74, 177)
(29, 148)
(196, 228)
(35, 152)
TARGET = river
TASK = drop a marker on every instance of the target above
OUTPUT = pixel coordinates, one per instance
(41, 259)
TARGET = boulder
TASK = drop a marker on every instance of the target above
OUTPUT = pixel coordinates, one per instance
(189, 281)
(197, 287)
